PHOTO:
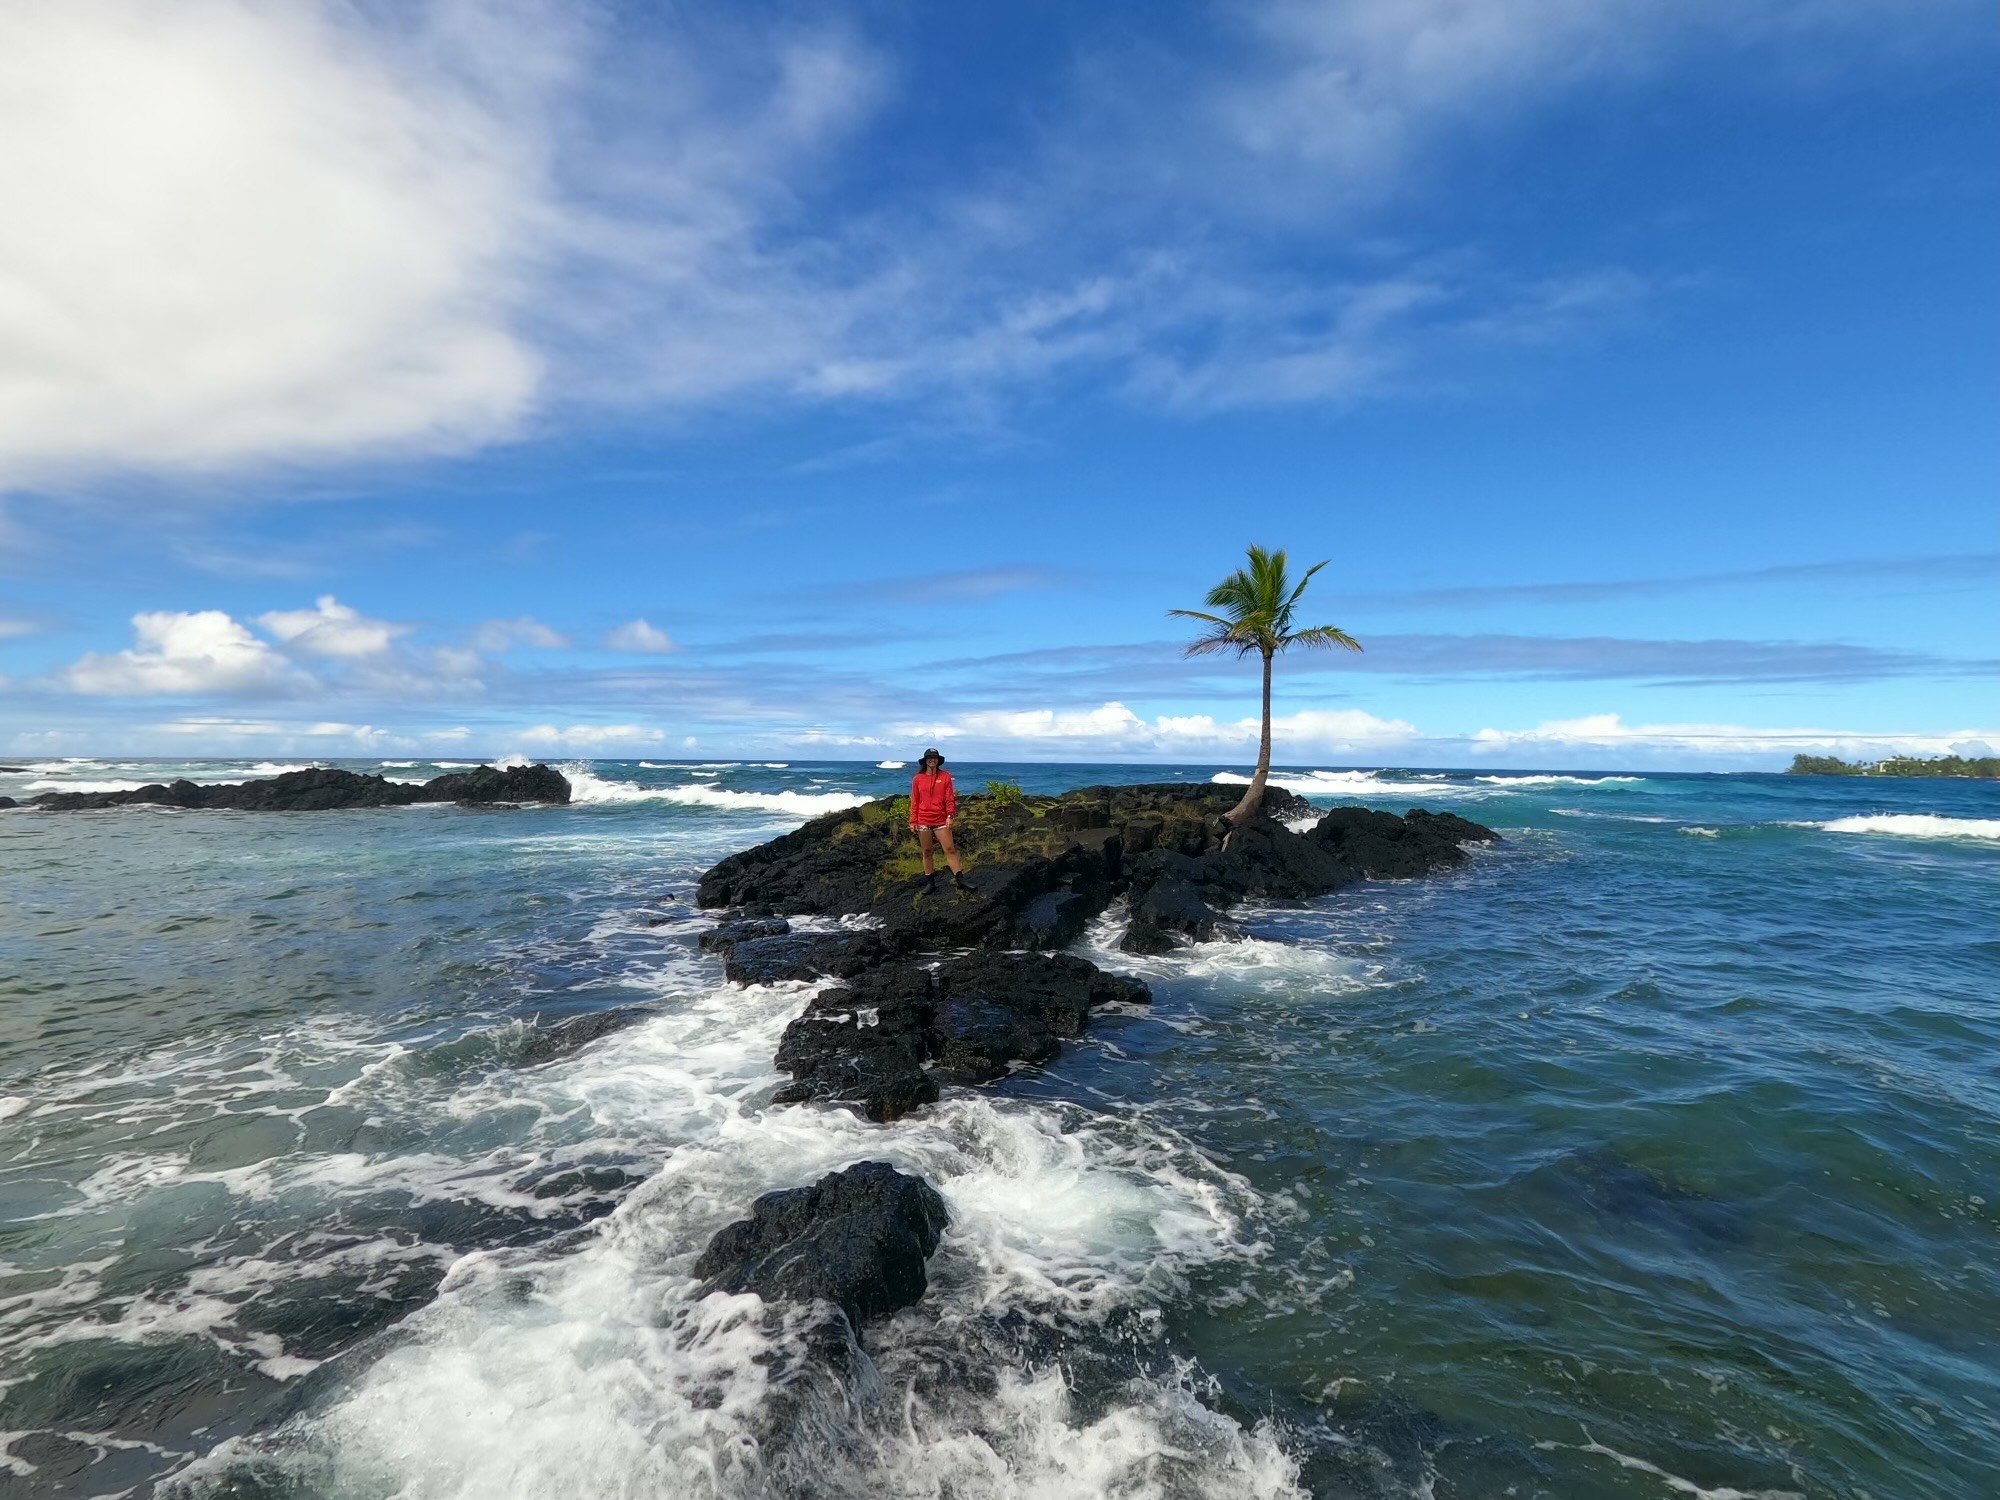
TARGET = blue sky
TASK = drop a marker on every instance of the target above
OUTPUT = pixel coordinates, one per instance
(820, 379)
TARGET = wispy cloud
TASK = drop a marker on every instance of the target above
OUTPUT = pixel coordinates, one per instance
(1965, 570)
(957, 586)
(362, 231)
(1609, 735)
(638, 636)
(1158, 667)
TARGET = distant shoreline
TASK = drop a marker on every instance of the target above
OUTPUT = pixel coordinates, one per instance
(1985, 768)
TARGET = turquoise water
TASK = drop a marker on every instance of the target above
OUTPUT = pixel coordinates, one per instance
(1654, 1154)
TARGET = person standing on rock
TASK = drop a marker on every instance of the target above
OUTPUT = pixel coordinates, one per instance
(933, 804)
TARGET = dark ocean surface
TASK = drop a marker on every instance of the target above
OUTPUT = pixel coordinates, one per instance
(1655, 1154)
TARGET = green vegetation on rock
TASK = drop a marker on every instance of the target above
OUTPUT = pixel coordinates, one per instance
(1983, 767)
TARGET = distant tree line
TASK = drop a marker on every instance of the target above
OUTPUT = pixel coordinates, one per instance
(1986, 766)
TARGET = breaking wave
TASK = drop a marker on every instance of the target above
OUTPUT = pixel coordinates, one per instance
(595, 1365)
(1349, 784)
(1916, 826)
(1542, 780)
(587, 788)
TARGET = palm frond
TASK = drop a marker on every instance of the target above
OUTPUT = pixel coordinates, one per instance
(1323, 635)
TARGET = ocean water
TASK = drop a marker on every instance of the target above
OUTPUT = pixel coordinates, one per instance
(1654, 1154)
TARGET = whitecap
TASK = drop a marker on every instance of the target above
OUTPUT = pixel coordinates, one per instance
(587, 788)
(1541, 780)
(1348, 784)
(512, 762)
(890, 765)
(11, 1105)
(1704, 833)
(1915, 826)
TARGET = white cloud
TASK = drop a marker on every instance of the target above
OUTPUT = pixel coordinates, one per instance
(1113, 728)
(498, 636)
(331, 628)
(239, 232)
(187, 655)
(590, 736)
(363, 736)
(242, 233)
(1611, 734)
(13, 630)
(639, 636)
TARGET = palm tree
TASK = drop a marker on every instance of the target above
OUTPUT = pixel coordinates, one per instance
(1256, 606)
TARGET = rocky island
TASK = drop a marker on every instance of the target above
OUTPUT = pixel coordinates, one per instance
(321, 788)
(946, 986)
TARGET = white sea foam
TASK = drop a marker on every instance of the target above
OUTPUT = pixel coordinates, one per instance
(1915, 826)
(1540, 780)
(399, 762)
(603, 1371)
(512, 762)
(587, 788)
(890, 765)
(12, 1105)
(1703, 833)
(1349, 784)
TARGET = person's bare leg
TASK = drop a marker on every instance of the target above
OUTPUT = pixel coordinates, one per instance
(924, 843)
(950, 850)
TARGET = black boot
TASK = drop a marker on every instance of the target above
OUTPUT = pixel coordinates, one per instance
(929, 883)
(958, 879)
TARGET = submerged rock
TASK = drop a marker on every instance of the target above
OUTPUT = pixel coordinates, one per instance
(551, 1042)
(858, 1239)
(8, 802)
(323, 788)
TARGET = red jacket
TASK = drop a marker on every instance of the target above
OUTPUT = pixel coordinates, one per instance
(933, 799)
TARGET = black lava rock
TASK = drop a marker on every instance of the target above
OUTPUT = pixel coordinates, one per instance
(726, 935)
(484, 784)
(1167, 911)
(881, 1041)
(807, 955)
(323, 788)
(1383, 846)
(1040, 868)
(858, 1239)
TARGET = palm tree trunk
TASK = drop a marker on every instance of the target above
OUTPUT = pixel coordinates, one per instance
(1253, 795)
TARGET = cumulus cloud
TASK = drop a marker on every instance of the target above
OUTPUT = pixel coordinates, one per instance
(202, 654)
(1114, 729)
(640, 637)
(241, 232)
(331, 628)
(497, 637)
